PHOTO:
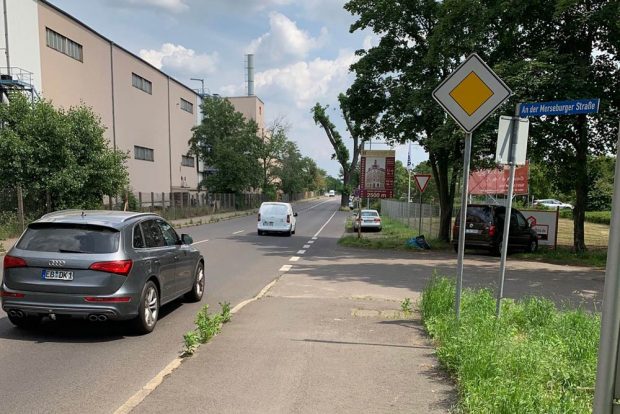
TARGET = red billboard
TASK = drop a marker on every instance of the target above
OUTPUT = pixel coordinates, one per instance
(494, 182)
(377, 174)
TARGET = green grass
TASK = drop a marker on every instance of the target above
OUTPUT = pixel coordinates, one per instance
(533, 359)
(600, 217)
(393, 235)
(564, 255)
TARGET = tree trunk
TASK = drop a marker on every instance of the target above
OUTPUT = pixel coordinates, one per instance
(344, 198)
(445, 189)
(581, 184)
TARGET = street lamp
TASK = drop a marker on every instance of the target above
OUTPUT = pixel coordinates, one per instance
(202, 82)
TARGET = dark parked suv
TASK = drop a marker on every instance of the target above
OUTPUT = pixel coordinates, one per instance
(99, 265)
(485, 226)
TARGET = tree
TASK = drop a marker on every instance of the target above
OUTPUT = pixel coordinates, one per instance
(291, 170)
(271, 152)
(228, 143)
(332, 183)
(341, 153)
(60, 158)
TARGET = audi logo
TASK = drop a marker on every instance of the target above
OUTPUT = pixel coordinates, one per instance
(57, 263)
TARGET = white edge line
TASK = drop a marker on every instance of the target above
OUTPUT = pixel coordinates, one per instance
(301, 251)
(237, 232)
(150, 386)
(198, 242)
(326, 223)
(306, 246)
(285, 268)
(310, 241)
(293, 259)
(316, 205)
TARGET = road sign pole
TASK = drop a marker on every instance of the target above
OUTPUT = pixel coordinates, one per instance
(607, 369)
(420, 211)
(463, 222)
(508, 211)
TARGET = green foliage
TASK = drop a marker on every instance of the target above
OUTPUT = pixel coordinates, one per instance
(406, 306)
(533, 359)
(63, 154)
(229, 144)
(601, 173)
(332, 183)
(600, 217)
(207, 326)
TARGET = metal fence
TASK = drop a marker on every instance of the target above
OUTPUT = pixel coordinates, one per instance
(425, 218)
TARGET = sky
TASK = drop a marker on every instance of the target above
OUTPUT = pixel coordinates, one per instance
(303, 51)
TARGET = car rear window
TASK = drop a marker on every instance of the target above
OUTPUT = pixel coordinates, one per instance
(477, 214)
(369, 214)
(69, 238)
(274, 209)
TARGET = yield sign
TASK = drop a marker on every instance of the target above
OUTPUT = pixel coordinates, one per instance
(421, 181)
(471, 93)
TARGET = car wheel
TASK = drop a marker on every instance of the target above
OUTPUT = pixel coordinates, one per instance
(288, 233)
(148, 310)
(198, 287)
(497, 249)
(533, 246)
(260, 233)
(294, 230)
(25, 322)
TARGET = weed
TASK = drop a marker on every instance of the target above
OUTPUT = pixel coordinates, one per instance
(207, 326)
(225, 312)
(405, 306)
(191, 342)
(533, 359)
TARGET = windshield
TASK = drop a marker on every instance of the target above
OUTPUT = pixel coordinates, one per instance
(274, 210)
(69, 238)
(369, 214)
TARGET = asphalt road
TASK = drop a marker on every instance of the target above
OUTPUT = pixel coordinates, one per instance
(76, 367)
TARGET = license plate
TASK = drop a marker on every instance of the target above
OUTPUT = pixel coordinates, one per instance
(268, 223)
(471, 231)
(56, 274)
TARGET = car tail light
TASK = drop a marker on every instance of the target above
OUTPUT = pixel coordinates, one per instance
(492, 230)
(258, 216)
(288, 218)
(5, 294)
(377, 220)
(12, 261)
(123, 299)
(120, 267)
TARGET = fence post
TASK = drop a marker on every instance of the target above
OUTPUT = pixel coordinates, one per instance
(20, 206)
(140, 200)
(152, 201)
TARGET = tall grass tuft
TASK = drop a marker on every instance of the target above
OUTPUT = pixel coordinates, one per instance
(533, 359)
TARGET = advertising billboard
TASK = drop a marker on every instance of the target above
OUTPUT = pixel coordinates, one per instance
(495, 181)
(377, 173)
(545, 223)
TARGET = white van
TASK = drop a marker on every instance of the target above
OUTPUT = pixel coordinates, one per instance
(332, 193)
(276, 218)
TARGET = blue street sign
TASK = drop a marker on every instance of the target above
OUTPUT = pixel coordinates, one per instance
(579, 106)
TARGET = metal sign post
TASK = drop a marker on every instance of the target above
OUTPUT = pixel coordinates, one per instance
(421, 181)
(469, 95)
(607, 371)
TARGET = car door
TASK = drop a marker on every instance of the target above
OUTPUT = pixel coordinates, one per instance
(184, 261)
(161, 257)
(523, 229)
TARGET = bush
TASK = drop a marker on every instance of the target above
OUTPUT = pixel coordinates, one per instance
(533, 359)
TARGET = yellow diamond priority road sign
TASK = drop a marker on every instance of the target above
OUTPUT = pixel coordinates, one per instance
(471, 93)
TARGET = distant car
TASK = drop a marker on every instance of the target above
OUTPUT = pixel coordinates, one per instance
(370, 220)
(485, 226)
(332, 193)
(552, 203)
(99, 265)
(276, 218)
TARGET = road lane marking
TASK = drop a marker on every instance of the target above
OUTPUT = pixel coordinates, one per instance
(198, 242)
(293, 259)
(237, 232)
(316, 205)
(316, 235)
(310, 241)
(285, 268)
(301, 251)
(315, 238)
(306, 246)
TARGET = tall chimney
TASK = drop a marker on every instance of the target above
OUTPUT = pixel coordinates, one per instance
(250, 75)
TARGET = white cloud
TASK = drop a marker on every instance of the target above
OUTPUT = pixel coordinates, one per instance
(180, 59)
(286, 39)
(303, 83)
(175, 6)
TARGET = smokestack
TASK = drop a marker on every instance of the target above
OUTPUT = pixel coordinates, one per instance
(250, 75)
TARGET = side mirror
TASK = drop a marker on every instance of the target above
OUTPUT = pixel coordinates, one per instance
(186, 239)
(294, 214)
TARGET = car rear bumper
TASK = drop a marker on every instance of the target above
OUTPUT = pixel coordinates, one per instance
(276, 229)
(41, 304)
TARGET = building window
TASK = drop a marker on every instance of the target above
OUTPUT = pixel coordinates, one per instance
(187, 161)
(64, 45)
(143, 153)
(141, 83)
(187, 106)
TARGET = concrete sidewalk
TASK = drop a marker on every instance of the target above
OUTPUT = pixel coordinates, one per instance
(313, 345)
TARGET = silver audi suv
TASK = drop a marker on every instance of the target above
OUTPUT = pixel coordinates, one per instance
(99, 265)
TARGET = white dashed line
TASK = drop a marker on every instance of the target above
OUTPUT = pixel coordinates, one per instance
(315, 238)
(293, 259)
(237, 232)
(306, 246)
(285, 268)
(310, 241)
(202, 241)
(301, 251)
